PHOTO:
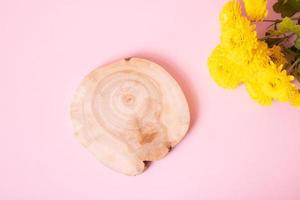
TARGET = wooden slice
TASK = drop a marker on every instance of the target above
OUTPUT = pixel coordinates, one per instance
(129, 112)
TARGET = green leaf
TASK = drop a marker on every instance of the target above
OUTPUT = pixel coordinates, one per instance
(297, 43)
(287, 8)
(294, 4)
(285, 26)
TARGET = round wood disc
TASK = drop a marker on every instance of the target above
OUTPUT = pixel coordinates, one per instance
(129, 112)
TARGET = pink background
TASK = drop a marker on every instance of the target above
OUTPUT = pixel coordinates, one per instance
(235, 149)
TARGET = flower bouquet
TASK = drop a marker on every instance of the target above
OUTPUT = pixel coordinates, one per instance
(269, 66)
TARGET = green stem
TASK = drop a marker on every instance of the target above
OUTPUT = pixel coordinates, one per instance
(282, 39)
(274, 20)
(271, 20)
(289, 70)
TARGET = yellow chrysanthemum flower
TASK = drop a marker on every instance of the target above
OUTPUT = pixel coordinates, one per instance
(264, 57)
(241, 39)
(295, 98)
(277, 56)
(256, 9)
(242, 58)
(231, 11)
(237, 33)
(223, 71)
(256, 93)
(275, 82)
(265, 81)
(260, 56)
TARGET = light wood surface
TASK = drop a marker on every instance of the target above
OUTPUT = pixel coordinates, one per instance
(128, 113)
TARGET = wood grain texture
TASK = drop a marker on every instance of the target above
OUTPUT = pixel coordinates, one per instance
(129, 112)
